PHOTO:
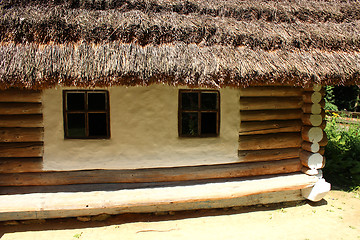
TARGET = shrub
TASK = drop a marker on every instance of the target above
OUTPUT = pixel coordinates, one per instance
(342, 153)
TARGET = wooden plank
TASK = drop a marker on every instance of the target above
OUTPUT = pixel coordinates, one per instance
(263, 103)
(21, 134)
(35, 120)
(21, 149)
(18, 165)
(18, 95)
(268, 154)
(169, 198)
(20, 108)
(270, 92)
(265, 115)
(270, 141)
(264, 127)
(151, 175)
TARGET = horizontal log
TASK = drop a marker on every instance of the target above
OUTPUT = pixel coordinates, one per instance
(310, 146)
(310, 172)
(18, 165)
(312, 119)
(270, 141)
(35, 120)
(324, 141)
(322, 151)
(268, 154)
(311, 160)
(263, 103)
(313, 108)
(17, 95)
(264, 127)
(21, 149)
(313, 97)
(20, 108)
(270, 92)
(21, 134)
(312, 134)
(151, 175)
(315, 87)
(265, 115)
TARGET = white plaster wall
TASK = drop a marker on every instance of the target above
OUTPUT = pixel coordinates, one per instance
(144, 133)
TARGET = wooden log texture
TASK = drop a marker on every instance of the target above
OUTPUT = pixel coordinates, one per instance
(270, 92)
(21, 149)
(312, 134)
(21, 134)
(313, 108)
(265, 127)
(324, 141)
(34, 120)
(315, 87)
(262, 103)
(270, 141)
(313, 97)
(18, 165)
(268, 154)
(151, 175)
(17, 95)
(310, 146)
(310, 172)
(265, 115)
(311, 160)
(312, 119)
(20, 108)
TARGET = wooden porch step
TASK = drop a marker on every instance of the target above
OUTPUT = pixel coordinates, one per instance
(152, 197)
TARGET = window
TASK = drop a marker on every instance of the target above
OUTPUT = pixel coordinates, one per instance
(86, 114)
(199, 113)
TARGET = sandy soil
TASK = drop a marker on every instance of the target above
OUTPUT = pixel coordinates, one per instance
(335, 217)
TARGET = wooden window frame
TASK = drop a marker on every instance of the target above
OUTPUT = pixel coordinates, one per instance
(199, 111)
(86, 112)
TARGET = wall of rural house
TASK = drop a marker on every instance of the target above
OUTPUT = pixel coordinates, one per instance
(144, 133)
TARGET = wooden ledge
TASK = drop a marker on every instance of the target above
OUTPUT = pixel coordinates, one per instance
(165, 197)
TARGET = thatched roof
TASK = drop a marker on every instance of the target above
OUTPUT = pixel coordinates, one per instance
(210, 43)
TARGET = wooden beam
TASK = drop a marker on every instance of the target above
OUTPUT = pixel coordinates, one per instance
(152, 199)
(312, 134)
(310, 146)
(21, 149)
(35, 120)
(313, 97)
(268, 154)
(21, 134)
(262, 103)
(270, 141)
(18, 165)
(312, 119)
(20, 108)
(264, 127)
(270, 92)
(265, 115)
(312, 160)
(151, 175)
(313, 108)
(17, 95)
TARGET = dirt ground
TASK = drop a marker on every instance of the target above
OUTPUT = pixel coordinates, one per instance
(335, 217)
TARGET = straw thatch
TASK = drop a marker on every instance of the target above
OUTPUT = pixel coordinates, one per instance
(198, 43)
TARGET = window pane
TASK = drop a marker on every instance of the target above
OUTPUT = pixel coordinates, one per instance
(76, 125)
(189, 101)
(189, 124)
(208, 123)
(96, 101)
(209, 101)
(75, 101)
(97, 124)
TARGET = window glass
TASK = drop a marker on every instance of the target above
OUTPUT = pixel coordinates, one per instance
(76, 125)
(208, 122)
(190, 124)
(97, 124)
(75, 101)
(190, 101)
(209, 101)
(96, 101)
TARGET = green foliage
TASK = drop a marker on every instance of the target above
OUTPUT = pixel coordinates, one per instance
(330, 99)
(342, 154)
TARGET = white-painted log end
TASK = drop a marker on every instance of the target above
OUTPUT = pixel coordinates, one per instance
(316, 192)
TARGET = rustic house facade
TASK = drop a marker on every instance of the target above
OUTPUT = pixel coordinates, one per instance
(136, 106)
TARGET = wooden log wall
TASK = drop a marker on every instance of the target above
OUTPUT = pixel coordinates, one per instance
(21, 131)
(313, 135)
(270, 128)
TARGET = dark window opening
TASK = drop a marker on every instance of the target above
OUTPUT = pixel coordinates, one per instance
(199, 113)
(86, 114)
